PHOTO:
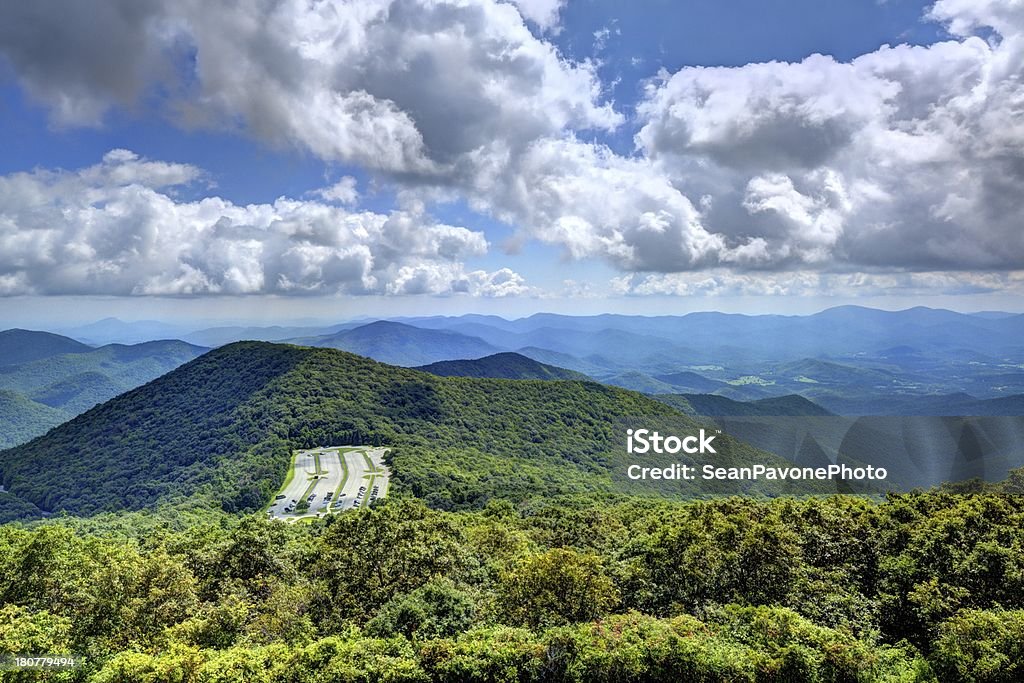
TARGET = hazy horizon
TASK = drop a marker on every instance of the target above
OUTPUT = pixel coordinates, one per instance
(185, 324)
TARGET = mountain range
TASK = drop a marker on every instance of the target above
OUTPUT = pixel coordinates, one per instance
(848, 360)
(516, 407)
(219, 431)
(47, 379)
(401, 344)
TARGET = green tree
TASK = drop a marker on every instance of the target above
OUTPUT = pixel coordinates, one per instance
(559, 586)
(434, 610)
(981, 646)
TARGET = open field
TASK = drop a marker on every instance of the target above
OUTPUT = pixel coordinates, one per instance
(331, 479)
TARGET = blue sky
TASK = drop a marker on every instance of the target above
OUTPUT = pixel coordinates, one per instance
(582, 156)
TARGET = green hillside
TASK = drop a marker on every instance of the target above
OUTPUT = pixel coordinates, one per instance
(540, 570)
(44, 392)
(638, 381)
(691, 382)
(80, 391)
(501, 366)
(712, 405)
(76, 377)
(563, 360)
(220, 429)
(22, 346)
(23, 418)
(817, 372)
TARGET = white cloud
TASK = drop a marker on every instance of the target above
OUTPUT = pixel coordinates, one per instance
(761, 115)
(594, 203)
(501, 283)
(344, 191)
(113, 228)
(964, 17)
(809, 283)
(403, 86)
(907, 158)
(544, 13)
(448, 278)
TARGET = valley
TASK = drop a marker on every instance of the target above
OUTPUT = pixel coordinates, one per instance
(47, 379)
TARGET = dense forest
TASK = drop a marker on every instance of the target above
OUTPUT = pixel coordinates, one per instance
(24, 418)
(506, 365)
(920, 587)
(505, 553)
(46, 379)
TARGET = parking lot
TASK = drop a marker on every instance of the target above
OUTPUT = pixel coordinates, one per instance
(331, 479)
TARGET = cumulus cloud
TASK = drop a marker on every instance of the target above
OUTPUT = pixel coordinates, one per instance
(809, 283)
(761, 115)
(963, 17)
(116, 228)
(441, 278)
(595, 203)
(544, 13)
(344, 191)
(404, 86)
(81, 58)
(906, 159)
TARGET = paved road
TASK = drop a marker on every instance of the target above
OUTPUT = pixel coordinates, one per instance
(303, 466)
(351, 496)
(335, 487)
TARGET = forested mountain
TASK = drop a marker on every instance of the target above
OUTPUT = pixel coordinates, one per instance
(22, 418)
(221, 428)
(22, 346)
(712, 405)
(77, 381)
(520, 560)
(691, 382)
(501, 366)
(562, 360)
(45, 391)
(838, 331)
(941, 404)
(849, 359)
